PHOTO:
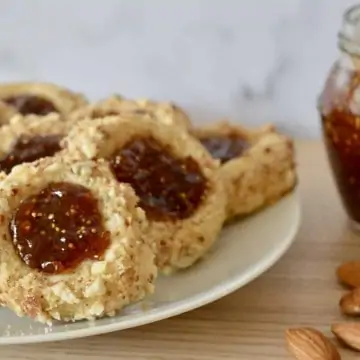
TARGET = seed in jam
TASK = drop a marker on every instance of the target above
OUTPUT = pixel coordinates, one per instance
(169, 188)
(28, 149)
(58, 228)
(30, 104)
(341, 130)
(225, 148)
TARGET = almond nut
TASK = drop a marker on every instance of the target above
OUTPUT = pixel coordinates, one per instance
(350, 303)
(349, 274)
(310, 344)
(348, 333)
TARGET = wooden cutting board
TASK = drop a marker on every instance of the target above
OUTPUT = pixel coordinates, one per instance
(301, 289)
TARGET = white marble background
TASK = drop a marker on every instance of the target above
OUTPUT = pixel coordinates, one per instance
(253, 61)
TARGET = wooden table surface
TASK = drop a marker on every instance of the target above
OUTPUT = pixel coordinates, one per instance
(300, 289)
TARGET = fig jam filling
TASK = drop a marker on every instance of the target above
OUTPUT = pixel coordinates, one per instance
(30, 104)
(58, 228)
(225, 148)
(29, 149)
(169, 188)
(338, 108)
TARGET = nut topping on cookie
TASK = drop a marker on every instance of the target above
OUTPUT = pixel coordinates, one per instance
(165, 113)
(225, 148)
(168, 188)
(30, 104)
(28, 149)
(58, 228)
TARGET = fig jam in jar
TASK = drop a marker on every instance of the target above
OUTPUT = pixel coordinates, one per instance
(339, 107)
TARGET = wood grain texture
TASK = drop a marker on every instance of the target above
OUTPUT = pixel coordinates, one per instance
(301, 289)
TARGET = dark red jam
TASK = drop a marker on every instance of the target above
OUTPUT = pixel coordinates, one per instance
(58, 228)
(341, 130)
(28, 149)
(30, 104)
(225, 148)
(169, 188)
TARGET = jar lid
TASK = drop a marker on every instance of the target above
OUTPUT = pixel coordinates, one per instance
(349, 36)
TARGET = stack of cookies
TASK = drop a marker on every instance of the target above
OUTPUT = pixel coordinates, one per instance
(98, 198)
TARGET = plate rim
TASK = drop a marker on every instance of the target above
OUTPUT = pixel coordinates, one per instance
(185, 305)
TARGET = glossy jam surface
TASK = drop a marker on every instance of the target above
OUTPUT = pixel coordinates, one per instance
(29, 149)
(169, 188)
(225, 148)
(58, 228)
(30, 104)
(340, 114)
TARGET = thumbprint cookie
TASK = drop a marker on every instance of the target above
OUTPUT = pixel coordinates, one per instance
(73, 242)
(257, 166)
(175, 178)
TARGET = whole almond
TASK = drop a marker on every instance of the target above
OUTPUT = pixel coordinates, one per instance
(348, 333)
(349, 274)
(310, 344)
(350, 303)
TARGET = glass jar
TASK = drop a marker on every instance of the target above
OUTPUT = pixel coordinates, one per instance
(339, 107)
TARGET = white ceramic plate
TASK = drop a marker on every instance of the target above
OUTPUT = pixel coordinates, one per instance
(244, 251)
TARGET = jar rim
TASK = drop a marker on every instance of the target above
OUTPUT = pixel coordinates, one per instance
(350, 13)
(349, 35)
